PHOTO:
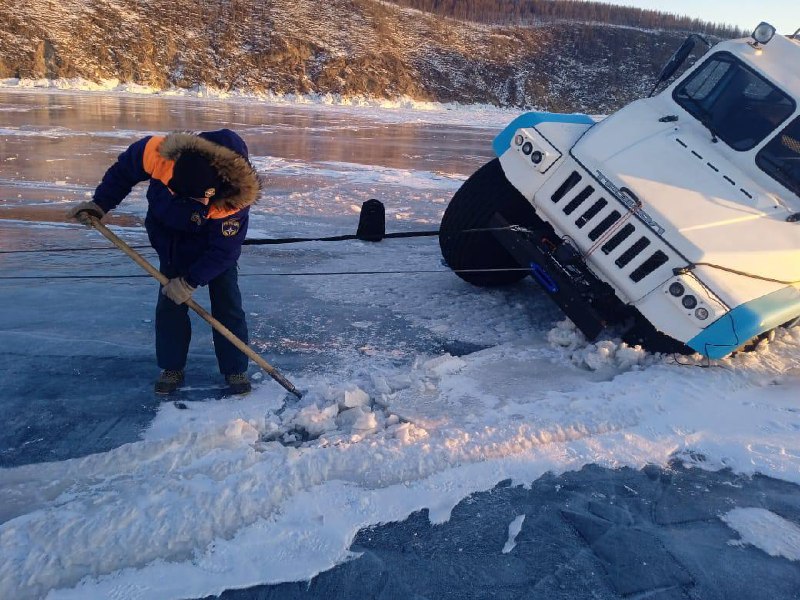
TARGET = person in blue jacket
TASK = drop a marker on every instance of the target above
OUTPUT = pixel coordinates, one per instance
(200, 192)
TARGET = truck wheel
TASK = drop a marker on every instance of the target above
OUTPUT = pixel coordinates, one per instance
(485, 193)
(643, 333)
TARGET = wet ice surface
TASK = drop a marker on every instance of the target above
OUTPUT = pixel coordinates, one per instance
(318, 162)
(422, 391)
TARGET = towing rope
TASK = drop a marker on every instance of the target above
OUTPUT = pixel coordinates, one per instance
(610, 232)
(277, 241)
(405, 234)
(606, 235)
(742, 273)
(56, 250)
(279, 274)
(247, 242)
(258, 242)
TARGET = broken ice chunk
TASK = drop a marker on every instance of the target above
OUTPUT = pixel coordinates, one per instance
(316, 421)
(444, 365)
(355, 397)
(357, 419)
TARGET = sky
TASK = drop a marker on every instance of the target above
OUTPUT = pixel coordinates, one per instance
(783, 14)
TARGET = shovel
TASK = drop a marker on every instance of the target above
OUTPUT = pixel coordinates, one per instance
(163, 280)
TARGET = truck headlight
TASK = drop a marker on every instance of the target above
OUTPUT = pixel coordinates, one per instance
(693, 298)
(676, 289)
(763, 33)
(534, 147)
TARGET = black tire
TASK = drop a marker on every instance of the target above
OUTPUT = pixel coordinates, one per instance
(643, 333)
(485, 193)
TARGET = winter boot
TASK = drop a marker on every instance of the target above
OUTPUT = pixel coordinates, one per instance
(168, 381)
(238, 383)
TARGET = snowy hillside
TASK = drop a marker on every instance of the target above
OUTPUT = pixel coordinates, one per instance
(348, 47)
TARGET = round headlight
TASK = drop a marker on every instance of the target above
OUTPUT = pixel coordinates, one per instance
(537, 157)
(518, 140)
(676, 289)
(527, 148)
(701, 313)
(689, 302)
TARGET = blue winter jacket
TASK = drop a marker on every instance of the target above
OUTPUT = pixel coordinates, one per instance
(199, 242)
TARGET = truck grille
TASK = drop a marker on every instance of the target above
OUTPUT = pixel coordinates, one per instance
(604, 225)
(578, 200)
(656, 259)
(565, 187)
(591, 213)
(602, 218)
(619, 237)
(632, 252)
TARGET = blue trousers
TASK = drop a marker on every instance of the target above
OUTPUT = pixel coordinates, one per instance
(174, 330)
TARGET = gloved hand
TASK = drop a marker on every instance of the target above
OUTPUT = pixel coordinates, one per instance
(81, 212)
(178, 290)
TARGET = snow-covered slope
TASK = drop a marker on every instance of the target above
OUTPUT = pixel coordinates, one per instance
(348, 47)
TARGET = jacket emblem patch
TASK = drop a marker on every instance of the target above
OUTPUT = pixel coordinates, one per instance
(197, 219)
(230, 227)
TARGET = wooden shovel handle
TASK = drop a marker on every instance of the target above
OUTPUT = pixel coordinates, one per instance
(229, 335)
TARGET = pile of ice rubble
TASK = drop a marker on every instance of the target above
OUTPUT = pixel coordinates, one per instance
(334, 413)
(599, 355)
(329, 414)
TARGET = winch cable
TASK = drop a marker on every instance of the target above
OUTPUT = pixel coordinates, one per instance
(336, 238)
(57, 250)
(259, 241)
(735, 272)
(396, 235)
(632, 210)
(609, 232)
(280, 274)
(278, 241)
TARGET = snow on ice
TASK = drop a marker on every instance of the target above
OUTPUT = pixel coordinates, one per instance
(513, 531)
(765, 530)
(184, 508)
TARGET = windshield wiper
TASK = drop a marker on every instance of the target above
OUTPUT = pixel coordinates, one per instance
(702, 116)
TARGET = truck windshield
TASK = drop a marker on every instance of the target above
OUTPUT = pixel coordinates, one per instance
(780, 158)
(733, 101)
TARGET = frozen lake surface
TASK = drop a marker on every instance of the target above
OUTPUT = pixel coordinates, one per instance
(453, 442)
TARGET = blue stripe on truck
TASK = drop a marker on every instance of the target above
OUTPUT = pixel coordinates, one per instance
(728, 333)
(503, 140)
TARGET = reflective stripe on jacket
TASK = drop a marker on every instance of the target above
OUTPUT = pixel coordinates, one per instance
(198, 241)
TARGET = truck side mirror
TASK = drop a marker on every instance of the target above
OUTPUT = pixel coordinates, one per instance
(677, 59)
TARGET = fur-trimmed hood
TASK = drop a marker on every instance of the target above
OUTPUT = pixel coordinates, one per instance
(227, 152)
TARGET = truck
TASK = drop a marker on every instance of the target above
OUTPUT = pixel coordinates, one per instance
(673, 222)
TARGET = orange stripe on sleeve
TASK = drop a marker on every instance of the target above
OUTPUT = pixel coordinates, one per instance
(218, 212)
(156, 165)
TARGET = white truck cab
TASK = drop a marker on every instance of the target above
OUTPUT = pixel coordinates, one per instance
(677, 217)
